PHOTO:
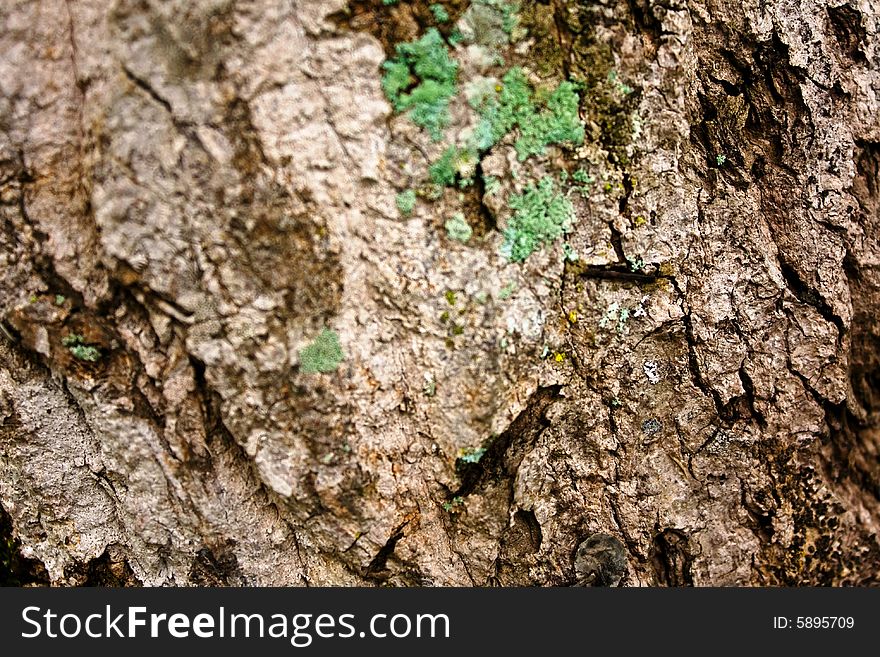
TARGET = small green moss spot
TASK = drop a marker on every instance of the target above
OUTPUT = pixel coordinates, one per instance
(323, 355)
(506, 291)
(492, 184)
(582, 177)
(440, 13)
(471, 455)
(450, 297)
(453, 505)
(78, 348)
(458, 228)
(454, 163)
(406, 202)
(429, 389)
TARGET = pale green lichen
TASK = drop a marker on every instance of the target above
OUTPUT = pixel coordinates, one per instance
(78, 348)
(453, 505)
(454, 164)
(558, 122)
(506, 291)
(541, 215)
(491, 184)
(406, 202)
(618, 84)
(471, 455)
(421, 80)
(582, 177)
(324, 354)
(458, 228)
(429, 388)
(617, 315)
(542, 118)
(440, 13)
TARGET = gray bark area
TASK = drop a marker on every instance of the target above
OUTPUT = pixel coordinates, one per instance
(198, 187)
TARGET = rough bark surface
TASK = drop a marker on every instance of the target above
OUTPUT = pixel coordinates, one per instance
(197, 188)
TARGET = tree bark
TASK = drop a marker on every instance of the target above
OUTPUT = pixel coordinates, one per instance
(191, 191)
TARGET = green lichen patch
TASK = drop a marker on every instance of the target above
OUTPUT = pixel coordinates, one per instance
(454, 164)
(471, 455)
(421, 80)
(429, 388)
(441, 15)
(505, 292)
(557, 123)
(542, 117)
(582, 177)
(541, 215)
(406, 202)
(79, 349)
(458, 228)
(502, 111)
(323, 355)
